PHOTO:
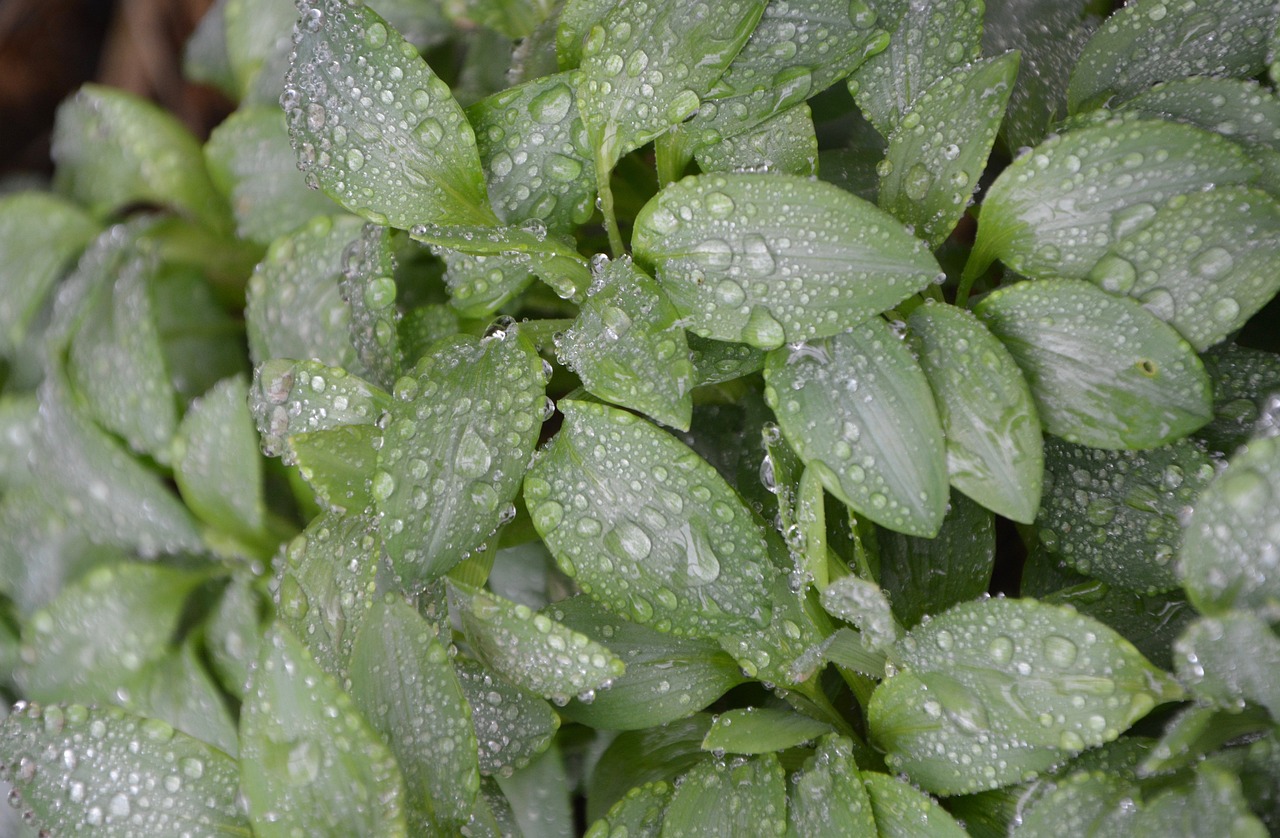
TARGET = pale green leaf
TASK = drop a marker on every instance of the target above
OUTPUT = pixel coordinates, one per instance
(860, 602)
(858, 409)
(204, 56)
(827, 796)
(988, 416)
(257, 38)
(540, 797)
(553, 257)
(422, 326)
(233, 633)
(178, 690)
(309, 762)
(693, 559)
(1089, 387)
(202, 342)
(514, 18)
(511, 724)
(403, 156)
(789, 650)
(297, 397)
(744, 796)
(1230, 660)
(19, 420)
(761, 730)
(81, 771)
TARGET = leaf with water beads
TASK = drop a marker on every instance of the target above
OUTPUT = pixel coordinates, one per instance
(40, 233)
(1057, 209)
(1151, 622)
(373, 125)
(553, 257)
(827, 796)
(297, 397)
(1230, 660)
(1203, 263)
(786, 143)
(1229, 547)
(988, 416)
(107, 772)
(646, 526)
(177, 689)
(761, 730)
(639, 812)
(628, 347)
(766, 259)
(1244, 381)
(481, 285)
(1091, 388)
(512, 725)
(742, 796)
(858, 409)
(454, 448)
(368, 286)
(537, 159)
(336, 464)
(532, 650)
(903, 811)
(647, 65)
(930, 40)
(293, 306)
(862, 603)
(1148, 42)
(1113, 515)
(940, 147)
(790, 649)
(637, 757)
(309, 762)
(1005, 689)
(404, 683)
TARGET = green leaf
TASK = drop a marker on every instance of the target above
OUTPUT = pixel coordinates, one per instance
(1196, 731)
(480, 285)
(1229, 544)
(554, 258)
(233, 634)
(1089, 387)
(1057, 209)
(770, 259)
(827, 796)
(784, 143)
(1243, 383)
(940, 147)
(746, 796)
(253, 164)
(40, 233)
(422, 326)
(639, 812)
(1013, 687)
(988, 416)
(258, 44)
(761, 730)
(931, 40)
(667, 677)
(325, 587)
(514, 18)
(101, 630)
(463, 425)
(294, 308)
(116, 361)
(369, 288)
(902, 811)
(511, 724)
(539, 795)
(202, 342)
(1143, 44)
(19, 420)
(1202, 263)
(637, 757)
(113, 148)
(1113, 515)
(81, 771)
(1150, 622)
(647, 68)
(336, 464)
(532, 650)
(204, 56)
(216, 462)
(309, 762)
(789, 650)
(178, 690)
(845, 648)
(404, 683)
(628, 347)
(536, 155)
(862, 603)
(715, 361)
(1230, 660)
(858, 409)
(297, 397)
(692, 558)
(1214, 805)
(406, 156)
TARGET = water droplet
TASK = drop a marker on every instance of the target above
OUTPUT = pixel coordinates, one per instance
(917, 181)
(376, 35)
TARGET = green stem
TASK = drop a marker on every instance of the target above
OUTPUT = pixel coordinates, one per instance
(603, 173)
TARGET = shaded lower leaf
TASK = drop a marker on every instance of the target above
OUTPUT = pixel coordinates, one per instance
(107, 772)
(639, 812)
(1244, 380)
(1151, 622)
(368, 287)
(743, 796)
(637, 757)
(233, 634)
(336, 464)
(539, 795)
(177, 689)
(862, 603)
(480, 285)
(902, 811)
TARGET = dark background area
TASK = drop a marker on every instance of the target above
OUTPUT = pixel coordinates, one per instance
(48, 48)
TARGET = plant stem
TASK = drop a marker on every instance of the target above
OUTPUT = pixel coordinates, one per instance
(603, 173)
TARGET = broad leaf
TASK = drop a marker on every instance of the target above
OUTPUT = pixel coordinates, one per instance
(309, 762)
(480, 285)
(404, 683)
(511, 724)
(1202, 263)
(1228, 550)
(1243, 382)
(1151, 622)
(40, 233)
(745, 796)
(553, 257)
(294, 308)
(1142, 44)
(1230, 660)
(628, 347)
(540, 797)
(988, 416)
(930, 40)
(19, 420)
(1089, 387)
(715, 361)
(114, 148)
(940, 147)
(1057, 209)
(462, 427)
(1113, 515)
(827, 796)
(296, 397)
(574, 21)
(1006, 688)
(858, 409)
(785, 143)
(369, 288)
(677, 549)
(202, 342)
(789, 649)
(667, 677)
(647, 67)
(375, 127)
(761, 730)
(532, 650)
(178, 690)
(336, 464)
(902, 811)
(253, 164)
(769, 259)
(81, 771)
(233, 634)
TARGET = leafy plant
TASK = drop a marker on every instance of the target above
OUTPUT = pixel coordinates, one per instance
(638, 428)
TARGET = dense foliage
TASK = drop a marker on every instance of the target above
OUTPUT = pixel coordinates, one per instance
(637, 427)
